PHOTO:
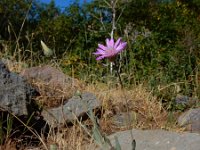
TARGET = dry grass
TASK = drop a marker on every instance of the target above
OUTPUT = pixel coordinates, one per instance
(9, 145)
(73, 138)
(147, 108)
(13, 65)
(149, 113)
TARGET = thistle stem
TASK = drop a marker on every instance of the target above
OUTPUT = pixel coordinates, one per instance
(113, 4)
(120, 79)
(127, 108)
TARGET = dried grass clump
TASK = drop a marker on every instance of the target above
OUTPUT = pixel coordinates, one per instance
(148, 109)
(73, 138)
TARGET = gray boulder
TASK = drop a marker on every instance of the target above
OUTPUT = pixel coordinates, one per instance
(155, 140)
(15, 94)
(74, 108)
(191, 120)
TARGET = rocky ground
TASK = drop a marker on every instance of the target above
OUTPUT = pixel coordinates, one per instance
(44, 98)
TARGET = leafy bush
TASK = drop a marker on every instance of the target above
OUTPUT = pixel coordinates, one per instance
(163, 40)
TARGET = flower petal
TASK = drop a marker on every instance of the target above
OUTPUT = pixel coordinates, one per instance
(102, 47)
(98, 49)
(100, 57)
(110, 43)
(117, 43)
(110, 50)
(121, 47)
(99, 52)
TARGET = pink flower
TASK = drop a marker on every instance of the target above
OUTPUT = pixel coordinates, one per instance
(110, 50)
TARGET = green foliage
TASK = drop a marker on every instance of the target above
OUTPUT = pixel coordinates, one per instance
(163, 40)
(6, 124)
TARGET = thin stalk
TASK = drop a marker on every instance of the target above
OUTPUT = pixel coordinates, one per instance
(113, 4)
(127, 108)
(113, 7)
(20, 31)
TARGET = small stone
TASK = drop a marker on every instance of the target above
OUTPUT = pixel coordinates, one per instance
(190, 116)
(185, 101)
(190, 120)
(75, 107)
(181, 99)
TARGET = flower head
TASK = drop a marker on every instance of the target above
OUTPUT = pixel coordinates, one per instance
(110, 50)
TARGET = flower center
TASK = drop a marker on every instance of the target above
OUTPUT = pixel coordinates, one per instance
(110, 51)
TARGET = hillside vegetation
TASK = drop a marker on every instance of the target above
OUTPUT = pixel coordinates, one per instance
(163, 39)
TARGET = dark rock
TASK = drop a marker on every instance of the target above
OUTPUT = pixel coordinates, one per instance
(15, 94)
(18, 108)
(191, 120)
(181, 99)
(74, 108)
(52, 84)
(185, 101)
